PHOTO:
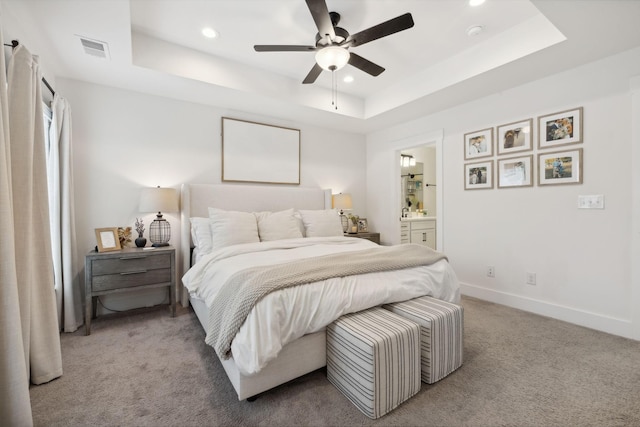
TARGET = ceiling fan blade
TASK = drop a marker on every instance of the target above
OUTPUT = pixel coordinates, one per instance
(283, 48)
(320, 14)
(387, 28)
(313, 74)
(365, 65)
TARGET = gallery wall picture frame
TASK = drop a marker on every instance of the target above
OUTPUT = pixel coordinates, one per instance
(515, 137)
(363, 226)
(562, 128)
(560, 167)
(478, 175)
(107, 239)
(478, 144)
(515, 172)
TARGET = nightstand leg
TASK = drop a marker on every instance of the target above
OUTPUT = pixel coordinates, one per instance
(87, 316)
(172, 292)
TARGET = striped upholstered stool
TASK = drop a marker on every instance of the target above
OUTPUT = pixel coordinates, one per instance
(441, 330)
(373, 358)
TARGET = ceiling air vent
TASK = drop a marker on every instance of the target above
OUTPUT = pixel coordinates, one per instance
(95, 47)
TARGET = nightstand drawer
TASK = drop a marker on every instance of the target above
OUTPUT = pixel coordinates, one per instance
(129, 264)
(130, 279)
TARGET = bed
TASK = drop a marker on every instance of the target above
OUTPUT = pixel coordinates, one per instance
(269, 349)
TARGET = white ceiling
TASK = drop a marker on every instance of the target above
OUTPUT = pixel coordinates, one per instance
(156, 47)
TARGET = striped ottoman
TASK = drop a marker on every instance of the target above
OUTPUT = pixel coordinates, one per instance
(373, 358)
(441, 333)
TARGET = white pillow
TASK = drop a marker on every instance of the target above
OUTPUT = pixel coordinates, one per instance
(299, 222)
(201, 235)
(232, 228)
(277, 225)
(321, 223)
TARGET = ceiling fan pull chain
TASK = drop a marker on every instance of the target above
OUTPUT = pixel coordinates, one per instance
(334, 89)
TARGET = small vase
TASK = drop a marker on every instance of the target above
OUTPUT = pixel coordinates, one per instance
(141, 241)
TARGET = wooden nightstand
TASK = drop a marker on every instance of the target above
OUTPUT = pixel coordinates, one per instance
(127, 270)
(374, 237)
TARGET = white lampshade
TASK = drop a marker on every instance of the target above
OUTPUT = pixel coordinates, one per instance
(159, 200)
(342, 201)
(332, 58)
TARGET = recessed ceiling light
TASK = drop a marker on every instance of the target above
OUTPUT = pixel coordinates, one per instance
(474, 30)
(209, 33)
(475, 2)
(348, 79)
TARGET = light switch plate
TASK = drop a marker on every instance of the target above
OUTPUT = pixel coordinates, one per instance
(591, 202)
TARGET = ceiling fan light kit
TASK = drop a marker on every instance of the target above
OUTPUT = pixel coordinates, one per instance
(332, 58)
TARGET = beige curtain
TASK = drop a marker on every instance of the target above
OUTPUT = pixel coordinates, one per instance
(15, 407)
(34, 266)
(66, 264)
(29, 332)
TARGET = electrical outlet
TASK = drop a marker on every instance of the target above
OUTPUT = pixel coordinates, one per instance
(531, 278)
(491, 272)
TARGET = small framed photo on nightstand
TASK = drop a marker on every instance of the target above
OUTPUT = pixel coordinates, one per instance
(107, 239)
(363, 227)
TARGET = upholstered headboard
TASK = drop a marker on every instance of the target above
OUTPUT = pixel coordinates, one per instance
(196, 199)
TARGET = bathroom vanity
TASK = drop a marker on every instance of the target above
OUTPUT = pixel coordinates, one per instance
(418, 229)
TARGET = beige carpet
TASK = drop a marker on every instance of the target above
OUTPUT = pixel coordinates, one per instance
(520, 370)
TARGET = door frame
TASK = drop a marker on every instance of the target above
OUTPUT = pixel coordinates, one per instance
(431, 139)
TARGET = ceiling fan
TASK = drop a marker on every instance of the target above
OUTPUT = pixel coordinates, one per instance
(333, 43)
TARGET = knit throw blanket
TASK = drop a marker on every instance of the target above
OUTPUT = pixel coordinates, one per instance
(244, 289)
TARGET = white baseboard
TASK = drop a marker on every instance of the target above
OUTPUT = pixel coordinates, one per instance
(599, 322)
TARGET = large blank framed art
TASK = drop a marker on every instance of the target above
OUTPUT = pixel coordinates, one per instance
(256, 152)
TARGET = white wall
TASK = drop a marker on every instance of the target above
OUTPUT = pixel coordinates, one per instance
(581, 257)
(124, 141)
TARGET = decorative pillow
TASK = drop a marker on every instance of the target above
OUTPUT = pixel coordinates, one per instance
(321, 223)
(277, 225)
(201, 235)
(232, 228)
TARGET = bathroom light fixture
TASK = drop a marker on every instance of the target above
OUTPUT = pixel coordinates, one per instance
(407, 160)
(159, 200)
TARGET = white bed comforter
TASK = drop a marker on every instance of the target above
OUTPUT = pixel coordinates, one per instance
(286, 315)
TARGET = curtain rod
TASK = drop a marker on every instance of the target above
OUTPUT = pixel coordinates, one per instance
(14, 44)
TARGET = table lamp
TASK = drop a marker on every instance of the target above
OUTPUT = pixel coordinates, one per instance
(159, 200)
(342, 202)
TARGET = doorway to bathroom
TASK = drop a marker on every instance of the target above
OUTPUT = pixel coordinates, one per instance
(418, 186)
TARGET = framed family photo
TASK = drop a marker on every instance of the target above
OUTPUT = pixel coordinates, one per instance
(363, 227)
(478, 175)
(108, 239)
(515, 172)
(560, 167)
(478, 144)
(514, 137)
(560, 128)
